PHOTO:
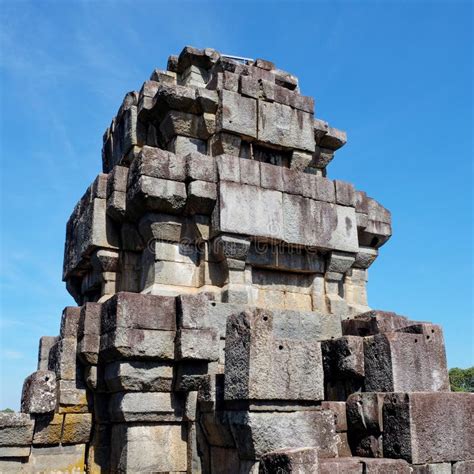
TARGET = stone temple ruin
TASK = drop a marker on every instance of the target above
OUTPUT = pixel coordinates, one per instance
(222, 323)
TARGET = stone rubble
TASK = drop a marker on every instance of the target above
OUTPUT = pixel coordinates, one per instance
(222, 322)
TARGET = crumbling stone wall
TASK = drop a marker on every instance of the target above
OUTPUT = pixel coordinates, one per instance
(222, 323)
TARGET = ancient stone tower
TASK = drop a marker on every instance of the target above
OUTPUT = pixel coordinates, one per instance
(222, 323)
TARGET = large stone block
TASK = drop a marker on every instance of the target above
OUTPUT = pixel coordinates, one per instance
(137, 311)
(237, 114)
(69, 321)
(283, 126)
(89, 332)
(45, 345)
(429, 427)
(257, 433)
(402, 361)
(48, 429)
(16, 429)
(39, 392)
(134, 448)
(202, 197)
(136, 376)
(77, 428)
(193, 310)
(297, 461)
(197, 344)
(63, 360)
(250, 210)
(365, 423)
(64, 459)
(126, 343)
(155, 194)
(87, 229)
(200, 167)
(72, 396)
(374, 322)
(146, 407)
(261, 366)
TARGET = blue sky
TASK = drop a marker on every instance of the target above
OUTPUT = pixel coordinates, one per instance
(397, 76)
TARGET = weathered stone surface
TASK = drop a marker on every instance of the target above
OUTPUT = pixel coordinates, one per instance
(202, 197)
(63, 360)
(69, 322)
(339, 410)
(39, 392)
(342, 465)
(45, 345)
(402, 361)
(298, 461)
(344, 357)
(146, 407)
(374, 322)
(197, 344)
(417, 425)
(138, 376)
(200, 167)
(16, 429)
(281, 125)
(237, 114)
(72, 396)
(132, 310)
(365, 423)
(155, 194)
(463, 467)
(15, 452)
(257, 433)
(134, 448)
(64, 459)
(48, 429)
(261, 366)
(76, 428)
(437, 468)
(126, 343)
(160, 227)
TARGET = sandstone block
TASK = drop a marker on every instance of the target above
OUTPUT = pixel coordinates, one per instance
(139, 376)
(160, 227)
(9, 457)
(200, 167)
(401, 361)
(250, 172)
(271, 177)
(339, 410)
(237, 114)
(137, 311)
(283, 126)
(145, 407)
(298, 461)
(463, 467)
(373, 322)
(184, 145)
(188, 125)
(300, 160)
(344, 357)
(263, 367)
(126, 343)
(158, 195)
(16, 429)
(381, 466)
(69, 321)
(48, 429)
(62, 359)
(197, 344)
(64, 459)
(202, 197)
(45, 345)
(134, 448)
(333, 139)
(72, 397)
(228, 168)
(341, 465)
(193, 311)
(365, 423)
(417, 425)
(257, 433)
(437, 468)
(76, 428)
(39, 392)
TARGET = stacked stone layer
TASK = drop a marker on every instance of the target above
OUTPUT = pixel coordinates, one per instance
(222, 321)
